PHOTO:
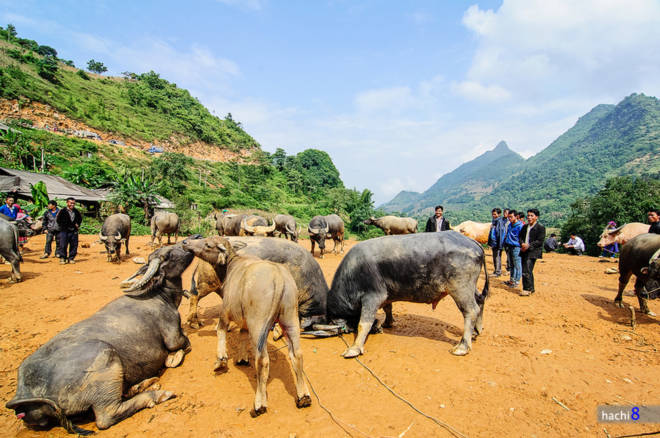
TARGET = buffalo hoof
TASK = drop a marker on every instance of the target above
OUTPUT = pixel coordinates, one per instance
(243, 362)
(174, 359)
(352, 352)
(304, 401)
(162, 396)
(388, 324)
(618, 304)
(194, 324)
(460, 350)
(220, 365)
(254, 413)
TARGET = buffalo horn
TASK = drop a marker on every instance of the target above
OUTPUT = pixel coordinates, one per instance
(311, 230)
(102, 237)
(246, 227)
(151, 271)
(615, 230)
(118, 236)
(654, 256)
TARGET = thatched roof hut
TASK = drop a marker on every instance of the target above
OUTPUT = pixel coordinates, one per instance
(18, 183)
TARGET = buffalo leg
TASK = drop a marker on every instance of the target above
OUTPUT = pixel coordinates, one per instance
(127, 251)
(372, 301)
(642, 296)
(151, 383)
(243, 356)
(292, 338)
(479, 323)
(221, 355)
(623, 281)
(389, 319)
(14, 260)
(468, 306)
(193, 320)
(262, 363)
(312, 242)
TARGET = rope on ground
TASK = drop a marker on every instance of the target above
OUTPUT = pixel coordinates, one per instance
(446, 426)
(657, 432)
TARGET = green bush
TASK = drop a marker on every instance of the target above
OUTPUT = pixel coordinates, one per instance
(83, 74)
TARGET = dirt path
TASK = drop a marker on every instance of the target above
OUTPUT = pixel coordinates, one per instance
(504, 387)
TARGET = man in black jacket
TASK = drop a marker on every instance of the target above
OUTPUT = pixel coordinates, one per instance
(49, 224)
(68, 221)
(437, 222)
(532, 237)
(654, 221)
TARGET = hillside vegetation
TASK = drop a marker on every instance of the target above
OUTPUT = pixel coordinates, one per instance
(607, 142)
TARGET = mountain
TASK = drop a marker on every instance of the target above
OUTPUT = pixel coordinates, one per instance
(609, 141)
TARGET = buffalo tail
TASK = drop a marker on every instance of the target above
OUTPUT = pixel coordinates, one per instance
(278, 286)
(484, 293)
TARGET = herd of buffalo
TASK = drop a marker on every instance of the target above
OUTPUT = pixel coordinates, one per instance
(109, 362)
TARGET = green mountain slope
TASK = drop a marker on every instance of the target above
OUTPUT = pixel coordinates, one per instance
(609, 141)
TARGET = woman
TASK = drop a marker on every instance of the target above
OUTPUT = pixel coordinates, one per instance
(613, 248)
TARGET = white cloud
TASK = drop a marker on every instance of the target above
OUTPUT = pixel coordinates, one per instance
(476, 91)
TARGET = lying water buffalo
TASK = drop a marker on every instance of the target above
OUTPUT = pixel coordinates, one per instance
(9, 249)
(116, 352)
(312, 288)
(421, 268)
(286, 225)
(164, 222)
(256, 294)
(622, 234)
(326, 227)
(115, 230)
(636, 258)
(257, 230)
(394, 225)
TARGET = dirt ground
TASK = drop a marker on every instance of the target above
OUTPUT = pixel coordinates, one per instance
(506, 386)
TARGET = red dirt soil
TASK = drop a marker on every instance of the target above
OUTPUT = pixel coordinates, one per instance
(504, 387)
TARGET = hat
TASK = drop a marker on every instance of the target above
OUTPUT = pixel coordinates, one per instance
(611, 223)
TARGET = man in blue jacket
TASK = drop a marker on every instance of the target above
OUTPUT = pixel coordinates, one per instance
(496, 239)
(9, 209)
(512, 245)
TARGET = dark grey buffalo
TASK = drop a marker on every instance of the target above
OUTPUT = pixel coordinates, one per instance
(636, 258)
(115, 230)
(393, 224)
(286, 225)
(326, 227)
(421, 268)
(162, 223)
(9, 249)
(312, 288)
(108, 363)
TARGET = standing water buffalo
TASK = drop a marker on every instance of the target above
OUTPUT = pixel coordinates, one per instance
(636, 257)
(312, 288)
(256, 294)
(326, 227)
(105, 362)
(475, 230)
(286, 224)
(257, 230)
(223, 222)
(164, 223)
(421, 268)
(622, 234)
(394, 225)
(115, 230)
(9, 249)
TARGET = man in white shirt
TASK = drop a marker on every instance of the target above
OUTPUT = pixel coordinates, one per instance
(575, 245)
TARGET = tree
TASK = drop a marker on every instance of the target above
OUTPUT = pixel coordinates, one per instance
(11, 32)
(140, 190)
(47, 68)
(96, 66)
(46, 51)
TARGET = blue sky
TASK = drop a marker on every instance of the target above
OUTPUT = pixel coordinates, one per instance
(398, 93)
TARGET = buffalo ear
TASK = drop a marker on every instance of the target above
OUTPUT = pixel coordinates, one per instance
(644, 270)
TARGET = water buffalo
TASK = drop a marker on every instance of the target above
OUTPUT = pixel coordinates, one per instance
(394, 225)
(636, 257)
(312, 288)
(421, 268)
(257, 230)
(622, 234)
(222, 222)
(107, 361)
(474, 230)
(230, 224)
(286, 225)
(256, 294)
(9, 249)
(115, 230)
(26, 226)
(326, 227)
(164, 223)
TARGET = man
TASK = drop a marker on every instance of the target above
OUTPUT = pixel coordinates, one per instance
(437, 222)
(9, 209)
(532, 236)
(512, 245)
(496, 239)
(49, 223)
(68, 221)
(575, 245)
(505, 216)
(551, 243)
(654, 220)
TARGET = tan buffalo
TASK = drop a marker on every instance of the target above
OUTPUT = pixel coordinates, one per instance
(257, 230)
(256, 293)
(622, 234)
(474, 230)
(393, 224)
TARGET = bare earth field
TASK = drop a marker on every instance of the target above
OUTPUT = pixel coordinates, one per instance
(504, 387)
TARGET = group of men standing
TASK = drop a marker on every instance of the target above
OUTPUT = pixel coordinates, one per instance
(523, 244)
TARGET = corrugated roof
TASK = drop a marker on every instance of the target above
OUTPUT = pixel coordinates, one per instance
(18, 181)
